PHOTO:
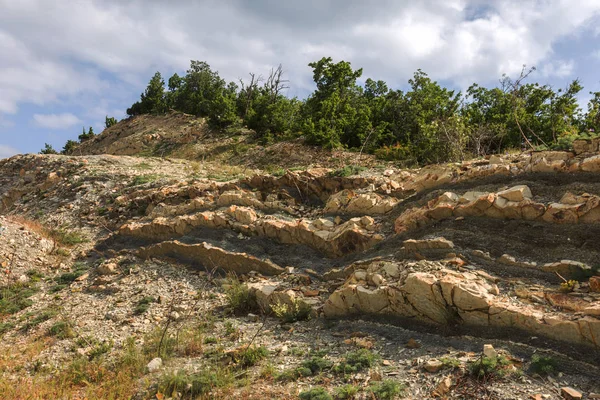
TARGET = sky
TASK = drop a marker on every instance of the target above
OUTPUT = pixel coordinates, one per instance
(67, 64)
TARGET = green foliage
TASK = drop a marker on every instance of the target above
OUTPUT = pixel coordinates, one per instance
(317, 364)
(109, 121)
(192, 385)
(450, 362)
(346, 392)
(37, 319)
(143, 305)
(387, 389)
(61, 330)
(356, 361)
(240, 299)
(296, 311)
(427, 123)
(348, 170)
(69, 277)
(69, 146)
(48, 149)
(489, 367)
(251, 356)
(568, 286)
(317, 393)
(143, 179)
(86, 136)
(543, 365)
(15, 297)
(67, 237)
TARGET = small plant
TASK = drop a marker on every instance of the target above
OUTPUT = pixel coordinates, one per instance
(100, 349)
(296, 311)
(5, 327)
(316, 364)
(317, 393)
(210, 340)
(67, 238)
(568, 286)
(34, 275)
(38, 319)
(543, 365)
(143, 305)
(386, 390)
(194, 385)
(346, 392)
(348, 170)
(239, 297)
(15, 297)
(450, 362)
(143, 179)
(251, 356)
(61, 330)
(69, 277)
(356, 361)
(489, 367)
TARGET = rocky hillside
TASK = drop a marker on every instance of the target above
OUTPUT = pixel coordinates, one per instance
(143, 277)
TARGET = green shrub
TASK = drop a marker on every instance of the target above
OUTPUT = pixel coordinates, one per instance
(450, 362)
(348, 170)
(488, 367)
(386, 390)
(356, 361)
(346, 392)
(38, 319)
(317, 393)
(317, 364)
(297, 311)
(252, 355)
(239, 297)
(143, 179)
(143, 305)
(543, 365)
(15, 297)
(61, 330)
(196, 384)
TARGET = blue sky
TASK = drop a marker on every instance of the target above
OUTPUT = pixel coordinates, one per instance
(67, 64)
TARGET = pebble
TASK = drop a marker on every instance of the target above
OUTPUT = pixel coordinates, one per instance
(154, 365)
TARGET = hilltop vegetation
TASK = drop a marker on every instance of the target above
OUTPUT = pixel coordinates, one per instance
(428, 123)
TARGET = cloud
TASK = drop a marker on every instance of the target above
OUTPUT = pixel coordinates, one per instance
(7, 151)
(56, 121)
(102, 51)
(559, 69)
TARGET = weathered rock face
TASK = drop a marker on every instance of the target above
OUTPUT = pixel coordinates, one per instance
(512, 203)
(354, 235)
(211, 257)
(444, 296)
(364, 204)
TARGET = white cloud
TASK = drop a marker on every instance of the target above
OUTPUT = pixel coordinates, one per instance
(559, 69)
(56, 121)
(63, 51)
(7, 151)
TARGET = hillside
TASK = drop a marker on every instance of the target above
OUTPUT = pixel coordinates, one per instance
(163, 260)
(178, 135)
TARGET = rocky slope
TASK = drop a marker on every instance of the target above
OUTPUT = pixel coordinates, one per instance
(503, 250)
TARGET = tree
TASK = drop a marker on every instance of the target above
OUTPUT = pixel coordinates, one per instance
(334, 114)
(69, 147)
(48, 149)
(153, 100)
(108, 122)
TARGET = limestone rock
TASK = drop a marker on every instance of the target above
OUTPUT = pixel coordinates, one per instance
(154, 365)
(516, 193)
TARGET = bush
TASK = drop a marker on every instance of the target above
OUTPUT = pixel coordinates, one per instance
(543, 365)
(386, 390)
(297, 311)
(316, 364)
(196, 384)
(143, 305)
(356, 361)
(15, 297)
(345, 392)
(251, 356)
(239, 297)
(347, 171)
(489, 367)
(61, 330)
(317, 393)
